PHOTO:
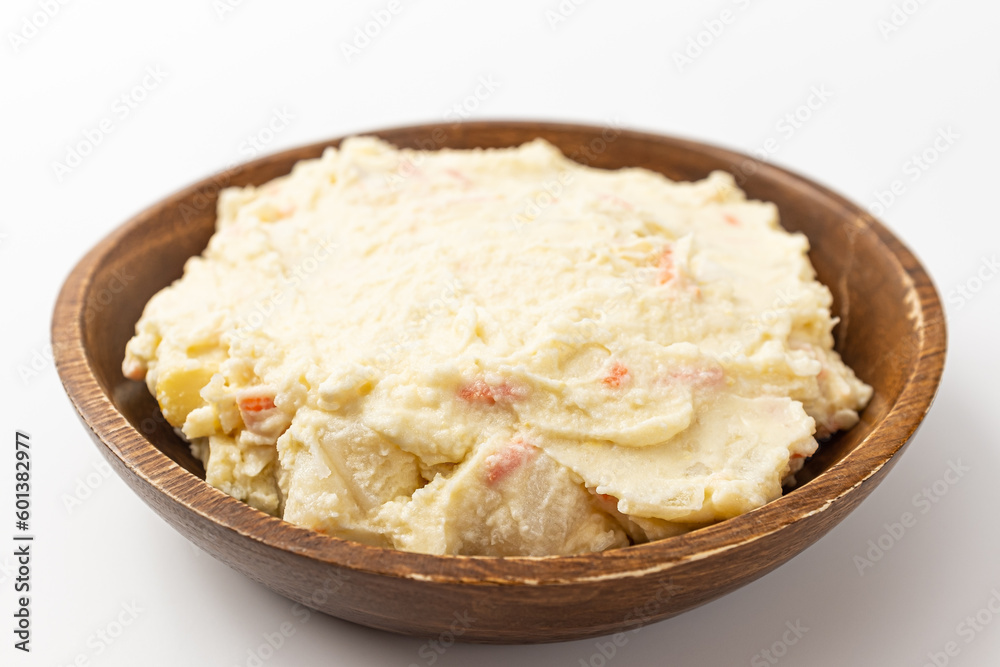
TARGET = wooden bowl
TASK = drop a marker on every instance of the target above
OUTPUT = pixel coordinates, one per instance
(892, 332)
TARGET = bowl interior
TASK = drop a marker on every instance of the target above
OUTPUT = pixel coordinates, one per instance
(875, 334)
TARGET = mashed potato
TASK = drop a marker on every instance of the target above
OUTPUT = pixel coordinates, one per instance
(496, 352)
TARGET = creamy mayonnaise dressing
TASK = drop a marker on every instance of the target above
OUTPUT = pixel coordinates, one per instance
(454, 360)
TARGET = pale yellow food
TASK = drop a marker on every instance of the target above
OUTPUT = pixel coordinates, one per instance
(496, 352)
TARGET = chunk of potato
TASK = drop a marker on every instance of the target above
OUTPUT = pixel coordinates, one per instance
(178, 391)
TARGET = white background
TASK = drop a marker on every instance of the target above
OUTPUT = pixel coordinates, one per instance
(224, 74)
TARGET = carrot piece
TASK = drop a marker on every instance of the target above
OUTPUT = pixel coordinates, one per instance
(479, 392)
(507, 460)
(699, 377)
(255, 403)
(617, 376)
(666, 265)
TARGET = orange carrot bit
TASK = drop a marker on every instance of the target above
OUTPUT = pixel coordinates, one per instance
(257, 410)
(731, 219)
(481, 393)
(666, 265)
(607, 502)
(617, 376)
(407, 168)
(454, 173)
(253, 404)
(615, 199)
(508, 459)
(477, 392)
(508, 393)
(700, 378)
(134, 370)
(798, 456)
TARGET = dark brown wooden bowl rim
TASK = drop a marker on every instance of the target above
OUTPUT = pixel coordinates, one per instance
(150, 464)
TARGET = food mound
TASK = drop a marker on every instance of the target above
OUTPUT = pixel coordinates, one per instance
(496, 352)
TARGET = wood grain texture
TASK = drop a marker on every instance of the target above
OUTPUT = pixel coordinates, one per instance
(892, 333)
